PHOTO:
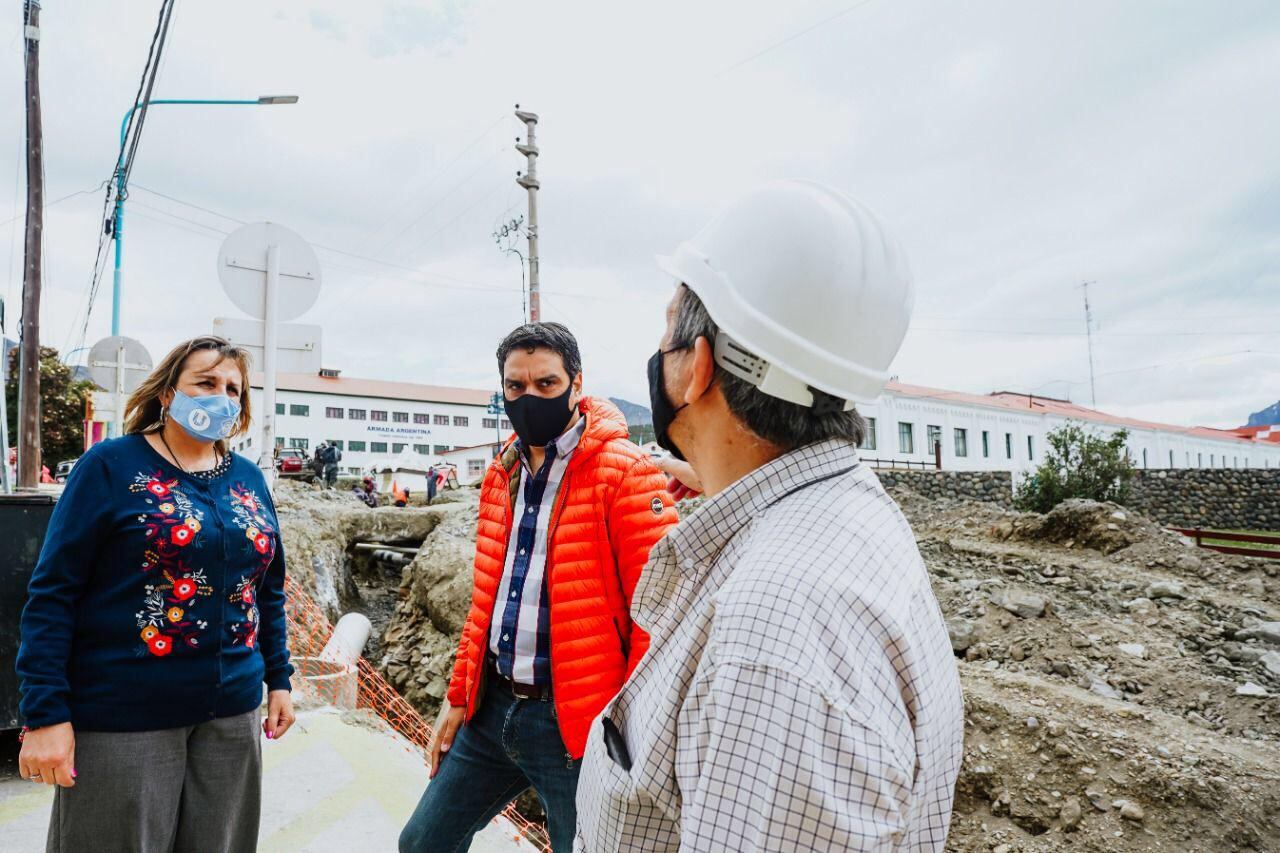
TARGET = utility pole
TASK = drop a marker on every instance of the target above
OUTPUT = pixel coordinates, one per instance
(529, 180)
(1088, 328)
(6, 487)
(29, 369)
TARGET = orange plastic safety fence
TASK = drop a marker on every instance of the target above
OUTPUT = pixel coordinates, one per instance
(309, 632)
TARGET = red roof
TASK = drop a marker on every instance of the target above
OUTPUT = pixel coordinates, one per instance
(315, 384)
(1260, 433)
(1010, 401)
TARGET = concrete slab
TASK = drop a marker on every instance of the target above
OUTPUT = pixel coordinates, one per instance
(337, 782)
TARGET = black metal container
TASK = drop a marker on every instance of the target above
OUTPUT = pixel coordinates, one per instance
(23, 521)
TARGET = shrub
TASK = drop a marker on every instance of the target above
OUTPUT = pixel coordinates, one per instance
(1078, 464)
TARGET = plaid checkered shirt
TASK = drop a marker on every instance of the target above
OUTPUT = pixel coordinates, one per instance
(520, 633)
(800, 692)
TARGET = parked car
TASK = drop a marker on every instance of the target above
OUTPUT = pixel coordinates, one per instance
(293, 462)
(63, 470)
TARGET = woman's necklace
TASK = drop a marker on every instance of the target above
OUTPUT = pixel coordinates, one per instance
(174, 456)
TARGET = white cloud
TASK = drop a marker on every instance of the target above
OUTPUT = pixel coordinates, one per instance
(1018, 149)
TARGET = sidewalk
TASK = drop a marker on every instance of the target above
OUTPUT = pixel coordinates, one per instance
(337, 782)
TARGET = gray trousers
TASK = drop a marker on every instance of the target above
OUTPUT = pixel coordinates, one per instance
(190, 790)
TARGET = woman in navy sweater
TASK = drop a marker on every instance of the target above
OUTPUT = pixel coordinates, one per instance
(155, 615)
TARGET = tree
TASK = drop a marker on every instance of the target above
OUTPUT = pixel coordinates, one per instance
(62, 399)
(640, 433)
(1078, 464)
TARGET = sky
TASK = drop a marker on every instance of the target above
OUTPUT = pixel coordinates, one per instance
(1017, 149)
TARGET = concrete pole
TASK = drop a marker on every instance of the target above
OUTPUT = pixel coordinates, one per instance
(29, 369)
(529, 180)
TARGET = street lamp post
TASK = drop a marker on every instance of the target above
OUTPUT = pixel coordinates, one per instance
(117, 222)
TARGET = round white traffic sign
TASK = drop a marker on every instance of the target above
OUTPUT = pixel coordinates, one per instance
(242, 269)
(104, 360)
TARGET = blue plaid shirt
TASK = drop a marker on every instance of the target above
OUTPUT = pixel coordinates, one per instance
(520, 632)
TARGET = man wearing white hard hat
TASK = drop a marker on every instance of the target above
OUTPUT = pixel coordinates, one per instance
(800, 691)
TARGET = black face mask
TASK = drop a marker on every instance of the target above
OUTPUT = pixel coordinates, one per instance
(664, 413)
(539, 420)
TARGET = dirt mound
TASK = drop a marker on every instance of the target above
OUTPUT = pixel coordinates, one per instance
(1105, 527)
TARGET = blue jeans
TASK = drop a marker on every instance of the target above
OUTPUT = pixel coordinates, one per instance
(509, 745)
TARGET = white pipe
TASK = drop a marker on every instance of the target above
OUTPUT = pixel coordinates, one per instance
(348, 640)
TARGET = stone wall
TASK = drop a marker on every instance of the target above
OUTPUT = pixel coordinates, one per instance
(1224, 498)
(992, 486)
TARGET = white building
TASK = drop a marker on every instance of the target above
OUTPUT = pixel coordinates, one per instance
(378, 422)
(371, 420)
(1006, 431)
(472, 462)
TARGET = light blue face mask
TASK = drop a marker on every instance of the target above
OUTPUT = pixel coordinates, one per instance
(210, 417)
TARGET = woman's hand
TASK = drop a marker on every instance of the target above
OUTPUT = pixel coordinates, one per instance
(49, 755)
(279, 714)
(683, 482)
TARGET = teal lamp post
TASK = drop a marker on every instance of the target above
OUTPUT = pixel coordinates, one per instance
(117, 227)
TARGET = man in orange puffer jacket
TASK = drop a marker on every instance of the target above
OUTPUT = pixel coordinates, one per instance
(568, 513)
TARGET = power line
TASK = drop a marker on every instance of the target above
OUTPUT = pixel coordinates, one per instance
(124, 164)
(136, 203)
(452, 190)
(792, 37)
(50, 204)
(191, 205)
(443, 170)
(1167, 364)
(149, 75)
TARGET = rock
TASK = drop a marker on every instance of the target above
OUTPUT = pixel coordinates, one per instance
(1103, 689)
(1071, 814)
(1251, 689)
(1078, 642)
(1033, 723)
(1271, 660)
(1166, 589)
(1132, 811)
(1255, 586)
(1027, 605)
(1237, 653)
(1017, 653)
(1136, 650)
(1119, 515)
(963, 634)
(1266, 632)
(1140, 605)
(1187, 562)
(1098, 799)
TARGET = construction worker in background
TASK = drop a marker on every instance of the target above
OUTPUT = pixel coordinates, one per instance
(317, 464)
(568, 512)
(399, 496)
(366, 491)
(432, 485)
(800, 692)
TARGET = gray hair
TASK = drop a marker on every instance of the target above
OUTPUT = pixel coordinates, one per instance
(780, 422)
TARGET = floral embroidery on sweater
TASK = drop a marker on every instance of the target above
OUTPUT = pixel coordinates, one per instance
(171, 524)
(249, 517)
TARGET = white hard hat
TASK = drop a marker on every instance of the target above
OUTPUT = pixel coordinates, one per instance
(808, 288)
